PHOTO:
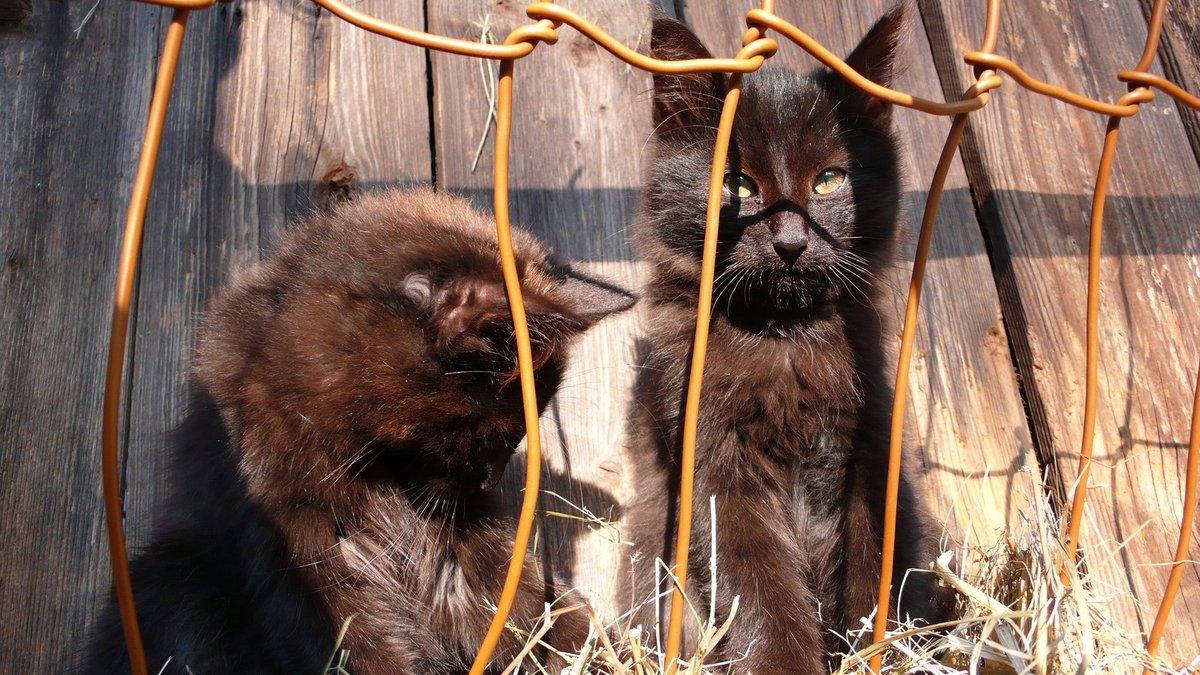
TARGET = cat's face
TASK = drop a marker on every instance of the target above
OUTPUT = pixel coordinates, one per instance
(811, 190)
(381, 335)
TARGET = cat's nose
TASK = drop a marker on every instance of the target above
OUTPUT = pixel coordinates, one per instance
(790, 244)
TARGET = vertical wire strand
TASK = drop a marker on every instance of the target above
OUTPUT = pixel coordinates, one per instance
(1103, 175)
(126, 273)
(924, 241)
(512, 284)
(691, 415)
(1192, 481)
(1153, 34)
(1190, 488)
(1079, 498)
(1111, 135)
(991, 33)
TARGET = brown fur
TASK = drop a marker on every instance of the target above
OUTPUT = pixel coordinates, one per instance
(364, 375)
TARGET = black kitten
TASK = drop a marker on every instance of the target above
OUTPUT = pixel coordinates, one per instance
(356, 401)
(795, 408)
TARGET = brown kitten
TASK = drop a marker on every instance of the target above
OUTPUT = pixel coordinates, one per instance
(356, 401)
(795, 407)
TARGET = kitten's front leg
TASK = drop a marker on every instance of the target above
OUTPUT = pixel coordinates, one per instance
(484, 556)
(777, 628)
(923, 599)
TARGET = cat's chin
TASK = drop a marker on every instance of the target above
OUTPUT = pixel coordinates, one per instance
(781, 304)
(431, 478)
(792, 289)
(468, 482)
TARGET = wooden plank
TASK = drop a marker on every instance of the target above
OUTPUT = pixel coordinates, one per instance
(72, 111)
(1032, 163)
(1179, 54)
(965, 423)
(286, 108)
(581, 118)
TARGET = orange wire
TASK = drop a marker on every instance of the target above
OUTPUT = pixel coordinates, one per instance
(1193, 461)
(924, 241)
(533, 461)
(744, 62)
(691, 415)
(1126, 109)
(511, 49)
(754, 44)
(1157, 81)
(1153, 32)
(126, 272)
(983, 82)
(1185, 530)
(1107, 156)
(766, 19)
(1111, 135)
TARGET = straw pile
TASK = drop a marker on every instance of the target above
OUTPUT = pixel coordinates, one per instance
(1024, 608)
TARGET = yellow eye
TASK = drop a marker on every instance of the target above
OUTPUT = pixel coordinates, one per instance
(740, 185)
(829, 181)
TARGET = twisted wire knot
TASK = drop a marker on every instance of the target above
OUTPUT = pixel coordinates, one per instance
(757, 51)
(534, 34)
(1138, 77)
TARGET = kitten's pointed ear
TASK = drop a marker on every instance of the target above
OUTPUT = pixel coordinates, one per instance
(474, 324)
(875, 59)
(683, 102)
(588, 297)
(469, 317)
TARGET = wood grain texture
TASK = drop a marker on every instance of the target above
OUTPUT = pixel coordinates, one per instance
(66, 171)
(1179, 54)
(966, 427)
(1032, 162)
(580, 120)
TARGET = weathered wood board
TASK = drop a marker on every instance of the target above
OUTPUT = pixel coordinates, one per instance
(1032, 163)
(67, 154)
(966, 428)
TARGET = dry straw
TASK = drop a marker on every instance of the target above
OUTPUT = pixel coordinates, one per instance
(758, 47)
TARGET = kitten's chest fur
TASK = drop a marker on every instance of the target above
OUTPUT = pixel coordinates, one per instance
(443, 565)
(777, 412)
(792, 399)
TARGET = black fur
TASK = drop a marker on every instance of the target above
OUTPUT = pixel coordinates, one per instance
(795, 405)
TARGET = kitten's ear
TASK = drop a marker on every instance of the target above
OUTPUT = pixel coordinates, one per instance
(683, 101)
(588, 297)
(875, 59)
(473, 323)
(466, 312)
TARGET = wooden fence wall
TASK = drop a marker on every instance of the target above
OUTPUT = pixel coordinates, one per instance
(280, 107)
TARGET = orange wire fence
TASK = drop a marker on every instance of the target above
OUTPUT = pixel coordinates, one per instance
(757, 47)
